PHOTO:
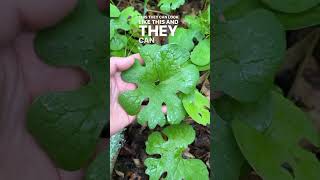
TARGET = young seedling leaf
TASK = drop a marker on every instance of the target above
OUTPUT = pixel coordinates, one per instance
(197, 106)
(280, 143)
(169, 5)
(171, 151)
(247, 72)
(291, 6)
(68, 124)
(166, 73)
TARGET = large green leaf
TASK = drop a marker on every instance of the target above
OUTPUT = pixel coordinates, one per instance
(172, 161)
(291, 6)
(221, 5)
(98, 169)
(226, 157)
(300, 20)
(276, 153)
(256, 114)
(249, 52)
(166, 72)
(68, 124)
(290, 21)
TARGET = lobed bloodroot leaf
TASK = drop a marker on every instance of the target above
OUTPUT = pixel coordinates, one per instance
(197, 106)
(280, 143)
(166, 73)
(171, 161)
(68, 124)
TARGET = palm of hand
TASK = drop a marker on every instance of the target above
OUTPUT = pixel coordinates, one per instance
(119, 118)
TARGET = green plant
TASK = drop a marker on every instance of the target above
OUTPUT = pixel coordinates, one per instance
(126, 22)
(168, 78)
(254, 124)
(68, 124)
(199, 31)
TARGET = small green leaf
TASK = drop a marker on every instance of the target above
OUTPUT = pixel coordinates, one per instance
(130, 16)
(291, 6)
(68, 124)
(98, 169)
(247, 72)
(118, 42)
(204, 68)
(199, 23)
(183, 37)
(114, 11)
(201, 53)
(280, 143)
(197, 107)
(171, 161)
(166, 72)
(168, 5)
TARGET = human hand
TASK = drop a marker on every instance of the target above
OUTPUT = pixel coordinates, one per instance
(119, 119)
(23, 77)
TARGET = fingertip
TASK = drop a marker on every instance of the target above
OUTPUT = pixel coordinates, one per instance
(121, 64)
(131, 119)
(138, 57)
(131, 86)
